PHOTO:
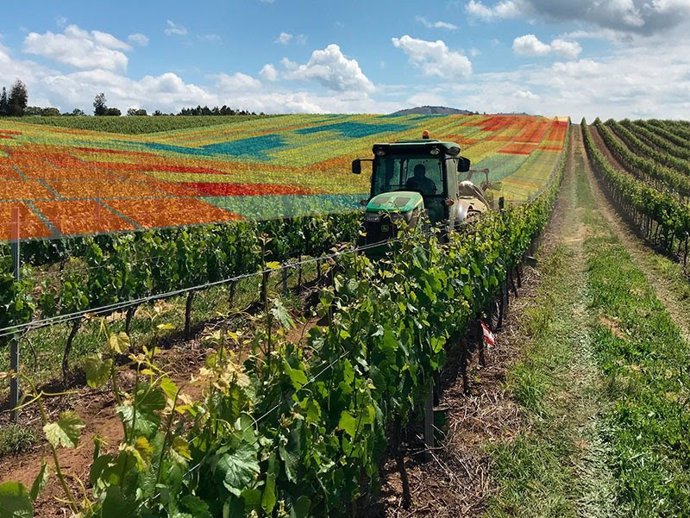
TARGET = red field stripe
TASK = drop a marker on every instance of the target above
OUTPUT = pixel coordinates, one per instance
(242, 189)
(169, 168)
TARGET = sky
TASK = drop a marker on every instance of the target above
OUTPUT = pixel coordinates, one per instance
(611, 59)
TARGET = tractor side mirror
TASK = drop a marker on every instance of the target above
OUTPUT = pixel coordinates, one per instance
(357, 166)
(464, 164)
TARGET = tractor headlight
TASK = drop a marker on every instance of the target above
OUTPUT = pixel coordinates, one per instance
(372, 217)
(396, 216)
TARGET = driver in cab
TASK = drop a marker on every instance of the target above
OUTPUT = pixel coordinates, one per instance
(420, 183)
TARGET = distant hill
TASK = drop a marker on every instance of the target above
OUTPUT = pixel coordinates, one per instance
(433, 110)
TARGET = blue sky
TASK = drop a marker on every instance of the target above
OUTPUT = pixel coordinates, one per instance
(620, 58)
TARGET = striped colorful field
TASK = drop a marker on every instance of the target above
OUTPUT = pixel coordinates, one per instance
(73, 182)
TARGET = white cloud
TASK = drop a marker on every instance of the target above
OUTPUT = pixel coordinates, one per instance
(237, 81)
(172, 29)
(169, 92)
(269, 72)
(426, 99)
(530, 45)
(79, 48)
(138, 39)
(581, 68)
(570, 49)
(436, 25)
(285, 38)
(596, 34)
(502, 10)
(332, 69)
(526, 95)
(434, 58)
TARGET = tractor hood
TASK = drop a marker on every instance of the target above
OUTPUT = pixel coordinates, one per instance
(400, 201)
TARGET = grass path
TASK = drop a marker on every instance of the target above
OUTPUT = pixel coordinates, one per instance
(557, 465)
(602, 382)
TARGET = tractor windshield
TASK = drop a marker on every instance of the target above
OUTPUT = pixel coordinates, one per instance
(399, 173)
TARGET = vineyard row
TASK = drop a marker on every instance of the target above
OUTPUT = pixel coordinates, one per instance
(660, 216)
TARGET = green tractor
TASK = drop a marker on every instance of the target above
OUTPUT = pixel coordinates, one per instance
(413, 177)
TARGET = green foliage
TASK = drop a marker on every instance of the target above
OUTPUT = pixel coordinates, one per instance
(15, 501)
(39, 482)
(17, 303)
(103, 270)
(661, 139)
(300, 431)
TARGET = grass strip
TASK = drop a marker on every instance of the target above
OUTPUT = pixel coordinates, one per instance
(646, 363)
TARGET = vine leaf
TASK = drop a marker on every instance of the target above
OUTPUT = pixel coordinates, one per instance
(66, 431)
(348, 423)
(97, 371)
(301, 507)
(119, 343)
(268, 499)
(196, 506)
(39, 483)
(238, 469)
(282, 315)
(15, 501)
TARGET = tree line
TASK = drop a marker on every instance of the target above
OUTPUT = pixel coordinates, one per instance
(15, 104)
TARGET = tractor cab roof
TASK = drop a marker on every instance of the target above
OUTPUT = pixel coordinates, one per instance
(409, 147)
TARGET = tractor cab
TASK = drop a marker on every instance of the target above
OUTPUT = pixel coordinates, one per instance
(410, 178)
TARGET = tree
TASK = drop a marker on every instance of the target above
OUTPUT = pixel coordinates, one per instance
(50, 112)
(18, 99)
(139, 112)
(99, 106)
(4, 103)
(115, 112)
